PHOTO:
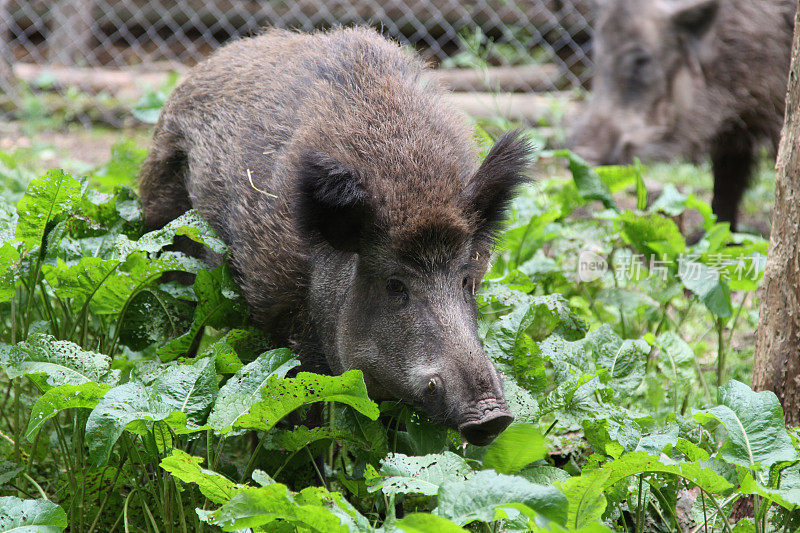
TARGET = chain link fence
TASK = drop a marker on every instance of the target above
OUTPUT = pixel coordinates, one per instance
(100, 53)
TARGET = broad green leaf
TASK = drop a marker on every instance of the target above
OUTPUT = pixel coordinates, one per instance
(313, 508)
(107, 284)
(544, 474)
(587, 181)
(671, 202)
(86, 396)
(652, 234)
(234, 347)
(675, 357)
(84, 280)
(788, 498)
(189, 224)
(123, 167)
(401, 474)
(252, 507)
(427, 523)
(300, 437)
(47, 198)
(757, 436)
(119, 407)
(214, 486)
(281, 396)
(621, 362)
(51, 362)
(522, 404)
(707, 284)
(152, 316)
(617, 177)
(189, 389)
(217, 306)
(515, 448)
(510, 340)
(31, 516)
(335, 504)
(9, 263)
(369, 432)
(624, 359)
(585, 493)
(480, 496)
(243, 390)
(134, 407)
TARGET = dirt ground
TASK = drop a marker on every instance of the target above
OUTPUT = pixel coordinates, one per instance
(73, 147)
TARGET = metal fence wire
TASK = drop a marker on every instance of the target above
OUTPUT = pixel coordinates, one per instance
(529, 45)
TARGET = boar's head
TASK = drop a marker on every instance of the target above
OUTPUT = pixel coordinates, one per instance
(649, 96)
(393, 282)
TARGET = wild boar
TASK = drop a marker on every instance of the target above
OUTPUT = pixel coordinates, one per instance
(359, 221)
(688, 78)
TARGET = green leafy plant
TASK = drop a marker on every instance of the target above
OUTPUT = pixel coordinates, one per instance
(137, 403)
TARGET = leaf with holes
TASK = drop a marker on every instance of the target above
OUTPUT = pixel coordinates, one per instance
(46, 199)
(401, 474)
(243, 390)
(86, 396)
(50, 363)
(281, 396)
(39, 516)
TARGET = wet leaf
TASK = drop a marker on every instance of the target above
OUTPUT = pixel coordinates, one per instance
(481, 497)
(586, 492)
(50, 362)
(243, 390)
(281, 396)
(214, 486)
(401, 474)
(757, 436)
(46, 199)
(40, 516)
(515, 448)
(86, 396)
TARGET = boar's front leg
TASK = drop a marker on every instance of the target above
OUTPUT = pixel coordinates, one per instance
(732, 155)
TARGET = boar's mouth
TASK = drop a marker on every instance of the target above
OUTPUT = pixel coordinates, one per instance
(484, 430)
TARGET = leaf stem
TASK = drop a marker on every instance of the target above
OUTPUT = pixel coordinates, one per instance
(640, 506)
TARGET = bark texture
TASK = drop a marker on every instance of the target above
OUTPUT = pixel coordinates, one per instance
(777, 354)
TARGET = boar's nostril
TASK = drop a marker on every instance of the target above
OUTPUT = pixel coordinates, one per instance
(482, 432)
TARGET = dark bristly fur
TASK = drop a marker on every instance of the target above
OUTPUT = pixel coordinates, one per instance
(688, 78)
(350, 195)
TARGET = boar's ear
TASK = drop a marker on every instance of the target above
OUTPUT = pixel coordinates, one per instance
(493, 186)
(332, 201)
(694, 17)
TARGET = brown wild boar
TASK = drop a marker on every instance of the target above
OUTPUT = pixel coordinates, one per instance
(358, 219)
(688, 78)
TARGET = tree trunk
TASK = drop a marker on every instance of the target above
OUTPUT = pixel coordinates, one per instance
(777, 354)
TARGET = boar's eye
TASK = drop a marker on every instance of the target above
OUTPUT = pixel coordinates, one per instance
(467, 283)
(396, 288)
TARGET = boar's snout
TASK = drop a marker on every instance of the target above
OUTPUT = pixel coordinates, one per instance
(599, 142)
(471, 402)
(484, 431)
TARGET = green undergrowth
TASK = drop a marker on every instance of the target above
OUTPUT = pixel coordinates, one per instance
(134, 403)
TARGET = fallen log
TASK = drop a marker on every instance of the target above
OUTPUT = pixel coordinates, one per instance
(128, 86)
(97, 79)
(547, 77)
